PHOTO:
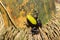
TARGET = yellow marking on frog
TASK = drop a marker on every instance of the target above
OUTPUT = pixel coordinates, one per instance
(31, 19)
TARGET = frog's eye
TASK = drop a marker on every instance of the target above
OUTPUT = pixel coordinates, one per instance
(39, 23)
(31, 19)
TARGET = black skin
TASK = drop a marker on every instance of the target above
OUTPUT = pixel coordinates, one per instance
(35, 28)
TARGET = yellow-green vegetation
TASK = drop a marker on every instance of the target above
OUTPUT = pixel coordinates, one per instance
(18, 10)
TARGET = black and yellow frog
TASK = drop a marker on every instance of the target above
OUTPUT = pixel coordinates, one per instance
(34, 23)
